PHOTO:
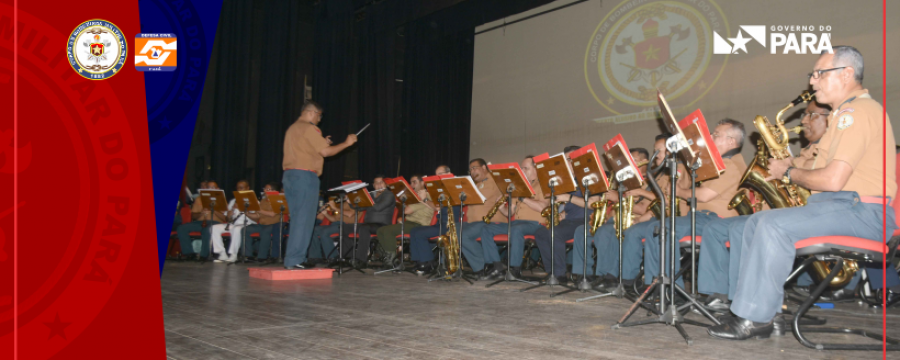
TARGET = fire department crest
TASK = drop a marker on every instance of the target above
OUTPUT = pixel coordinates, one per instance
(665, 45)
(96, 49)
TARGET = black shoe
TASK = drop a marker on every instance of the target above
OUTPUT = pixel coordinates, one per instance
(516, 272)
(490, 276)
(296, 267)
(261, 260)
(779, 326)
(308, 265)
(839, 295)
(424, 268)
(738, 328)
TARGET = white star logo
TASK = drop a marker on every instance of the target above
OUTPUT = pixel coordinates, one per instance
(740, 42)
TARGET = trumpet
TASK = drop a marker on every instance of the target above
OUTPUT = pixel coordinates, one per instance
(490, 215)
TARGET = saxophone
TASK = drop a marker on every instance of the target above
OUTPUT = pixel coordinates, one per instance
(546, 213)
(627, 216)
(449, 242)
(741, 203)
(490, 215)
(598, 217)
(656, 208)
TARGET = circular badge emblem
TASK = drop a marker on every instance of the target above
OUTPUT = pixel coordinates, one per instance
(97, 49)
(665, 46)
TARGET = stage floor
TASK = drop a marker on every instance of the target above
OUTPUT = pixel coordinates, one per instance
(214, 311)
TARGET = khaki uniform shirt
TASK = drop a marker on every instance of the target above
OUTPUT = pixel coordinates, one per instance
(854, 136)
(302, 144)
(264, 205)
(421, 214)
(523, 212)
(198, 208)
(726, 185)
(665, 185)
(475, 213)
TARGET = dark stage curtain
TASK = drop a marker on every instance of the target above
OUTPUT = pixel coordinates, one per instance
(405, 66)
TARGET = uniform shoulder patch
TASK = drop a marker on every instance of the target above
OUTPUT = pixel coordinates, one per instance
(845, 121)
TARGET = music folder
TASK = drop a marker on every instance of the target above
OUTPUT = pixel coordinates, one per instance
(463, 184)
(436, 188)
(672, 125)
(277, 199)
(511, 174)
(360, 197)
(587, 168)
(554, 169)
(247, 196)
(700, 141)
(621, 164)
(401, 188)
(207, 196)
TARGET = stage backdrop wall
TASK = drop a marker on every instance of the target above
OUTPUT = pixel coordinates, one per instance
(587, 72)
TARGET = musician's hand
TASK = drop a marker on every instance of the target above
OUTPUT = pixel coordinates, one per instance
(637, 192)
(564, 197)
(205, 212)
(422, 194)
(328, 139)
(351, 139)
(777, 168)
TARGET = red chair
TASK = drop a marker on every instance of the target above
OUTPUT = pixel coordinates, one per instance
(838, 248)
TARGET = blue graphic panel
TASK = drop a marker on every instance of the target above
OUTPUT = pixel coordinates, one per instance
(173, 98)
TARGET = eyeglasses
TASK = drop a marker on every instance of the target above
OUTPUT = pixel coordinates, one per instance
(716, 135)
(472, 169)
(809, 114)
(817, 74)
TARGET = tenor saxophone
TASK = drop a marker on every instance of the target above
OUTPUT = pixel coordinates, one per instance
(546, 213)
(490, 215)
(598, 217)
(449, 242)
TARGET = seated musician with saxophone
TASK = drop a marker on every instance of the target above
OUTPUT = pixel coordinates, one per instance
(632, 247)
(602, 232)
(471, 249)
(416, 215)
(573, 212)
(420, 250)
(527, 214)
(718, 265)
(847, 201)
(713, 196)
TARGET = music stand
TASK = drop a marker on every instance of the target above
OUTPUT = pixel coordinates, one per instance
(402, 191)
(347, 187)
(517, 185)
(587, 167)
(250, 203)
(280, 208)
(554, 173)
(213, 200)
(436, 192)
(461, 190)
(358, 199)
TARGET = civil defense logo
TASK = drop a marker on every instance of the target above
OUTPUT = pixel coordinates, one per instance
(155, 52)
(96, 49)
(780, 37)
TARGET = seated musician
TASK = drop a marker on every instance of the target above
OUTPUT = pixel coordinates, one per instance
(202, 221)
(268, 228)
(381, 214)
(713, 196)
(321, 245)
(235, 226)
(605, 240)
(417, 215)
(572, 218)
(527, 215)
(420, 249)
(847, 195)
(472, 229)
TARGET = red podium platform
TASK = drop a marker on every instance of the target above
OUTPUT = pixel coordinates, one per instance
(283, 274)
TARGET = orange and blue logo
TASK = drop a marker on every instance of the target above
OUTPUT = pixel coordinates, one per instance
(155, 52)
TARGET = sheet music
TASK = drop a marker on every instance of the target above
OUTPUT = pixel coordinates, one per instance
(350, 187)
(469, 179)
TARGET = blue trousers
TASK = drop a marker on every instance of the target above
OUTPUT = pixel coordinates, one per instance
(471, 249)
(632, 249)
(184, 237)
(651, 245)
(420, 249)
(321, 245)
(301, 188)
(268, 240)
(516, 246)
(563, 232)
(768, 245)
(604, 240)
(717, 268)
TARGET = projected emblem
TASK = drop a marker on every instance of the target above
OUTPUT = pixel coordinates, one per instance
(663, 45)
(97, 49)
